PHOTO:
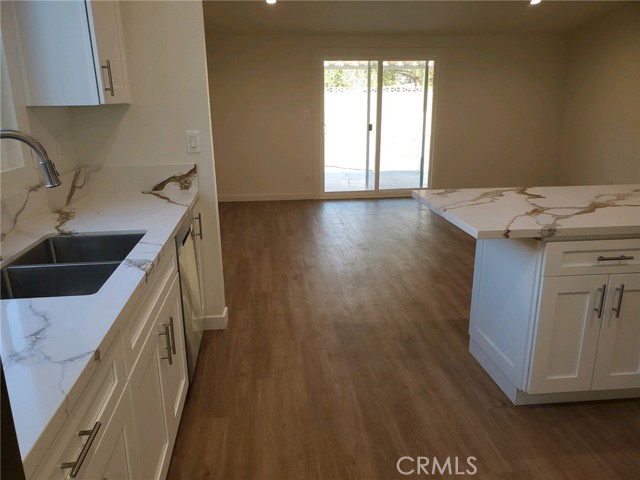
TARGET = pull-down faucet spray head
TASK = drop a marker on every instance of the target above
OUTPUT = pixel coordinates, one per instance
(51, 178)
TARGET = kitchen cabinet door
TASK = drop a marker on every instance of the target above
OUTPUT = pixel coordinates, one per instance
(115, 457)
(111, 60)
(146, 392)
(173, 374)
(567, 333)
(72, 53)
(618, 361)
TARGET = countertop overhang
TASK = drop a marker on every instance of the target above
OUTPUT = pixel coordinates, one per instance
(538, 212)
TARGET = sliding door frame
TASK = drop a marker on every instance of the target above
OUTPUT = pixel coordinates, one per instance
(372, 54)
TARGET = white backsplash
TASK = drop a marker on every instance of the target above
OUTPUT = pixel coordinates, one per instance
(32, 204)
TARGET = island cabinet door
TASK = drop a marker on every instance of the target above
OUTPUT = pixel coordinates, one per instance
(618, 360)
(567, 333)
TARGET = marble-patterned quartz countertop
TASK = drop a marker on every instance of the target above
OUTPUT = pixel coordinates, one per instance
(48, 344)
(537, 212)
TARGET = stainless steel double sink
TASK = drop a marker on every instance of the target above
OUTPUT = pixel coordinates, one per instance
(66, 265)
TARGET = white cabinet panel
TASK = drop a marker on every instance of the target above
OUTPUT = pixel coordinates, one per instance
(64, 47)
(567, 334)
(111, 59)
(618, 359)
(159, 386)
(173, 375)
(96, 404)
(592, 257)
(57, 53)
(146, 392)
(115, 455)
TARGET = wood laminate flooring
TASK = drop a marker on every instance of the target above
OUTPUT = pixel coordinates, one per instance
(347, 348)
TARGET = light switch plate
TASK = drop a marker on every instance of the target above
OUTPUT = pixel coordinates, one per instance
(193, 141)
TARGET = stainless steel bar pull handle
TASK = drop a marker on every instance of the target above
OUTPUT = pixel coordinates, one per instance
(75, 465)
(173, 335)
(612, 259)
(167, 334)
(107, 67)
(599, 309)
(619, 304)
(199, 218)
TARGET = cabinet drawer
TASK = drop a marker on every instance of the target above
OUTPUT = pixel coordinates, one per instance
(592, 257)
(96, 404)
(147, 302)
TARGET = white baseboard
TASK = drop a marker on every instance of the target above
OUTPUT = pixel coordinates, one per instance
(507, 387)
(518, 397)
(270, 197)
(217, 322)
(266, 197)
(534, 399)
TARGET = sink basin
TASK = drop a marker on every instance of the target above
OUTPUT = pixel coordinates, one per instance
(80, 248)
(55, 280)
(66, 265)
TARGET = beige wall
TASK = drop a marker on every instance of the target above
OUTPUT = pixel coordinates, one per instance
(168, 73)
(600, 130)
(496, 125)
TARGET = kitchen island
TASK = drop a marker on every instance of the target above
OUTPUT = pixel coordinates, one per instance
(555, 310)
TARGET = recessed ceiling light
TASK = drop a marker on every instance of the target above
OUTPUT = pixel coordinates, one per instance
(532, 2)
(271, 2)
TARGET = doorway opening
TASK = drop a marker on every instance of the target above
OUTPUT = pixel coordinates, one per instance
(378, 118)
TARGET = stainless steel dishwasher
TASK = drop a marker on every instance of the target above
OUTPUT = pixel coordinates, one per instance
(192, 311)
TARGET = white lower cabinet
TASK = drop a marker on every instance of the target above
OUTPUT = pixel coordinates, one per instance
(566, 340)
(556, 320)
(173, 374)
(150, 426)
(74, 445)
(618, 359)
(115, 455)
(588, 333)
(159, 387)
(126, 419)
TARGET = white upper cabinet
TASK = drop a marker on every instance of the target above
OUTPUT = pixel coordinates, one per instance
(73, 53)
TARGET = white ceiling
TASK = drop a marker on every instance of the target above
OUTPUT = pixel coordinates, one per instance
(400, 17)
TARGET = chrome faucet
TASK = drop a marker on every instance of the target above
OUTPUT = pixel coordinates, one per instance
(51, 178)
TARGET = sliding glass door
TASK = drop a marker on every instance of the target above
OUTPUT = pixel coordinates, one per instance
(377, 124)
(350, 105)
